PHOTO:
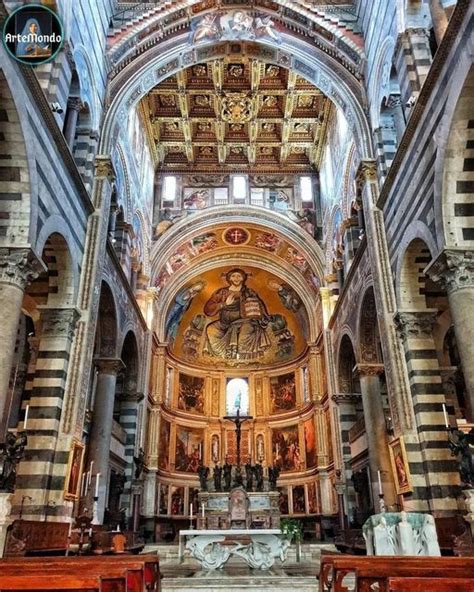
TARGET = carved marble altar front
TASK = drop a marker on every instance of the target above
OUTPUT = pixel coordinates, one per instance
(258, 548)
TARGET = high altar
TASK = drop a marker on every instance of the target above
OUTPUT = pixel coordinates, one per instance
(238, 509)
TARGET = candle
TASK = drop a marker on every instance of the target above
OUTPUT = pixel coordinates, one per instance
(190, 510)
(380, 483)
(70, 528)
(26, 417)
(446, 422)
(90, 467)
(202, 510)
(97, 479)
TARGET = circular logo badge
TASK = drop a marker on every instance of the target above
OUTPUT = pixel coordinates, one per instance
(33, 34)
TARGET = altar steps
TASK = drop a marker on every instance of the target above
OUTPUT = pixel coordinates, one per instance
(290, 576)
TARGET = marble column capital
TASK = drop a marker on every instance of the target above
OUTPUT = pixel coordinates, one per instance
(19, 267)
(75, 103)
(104, 167)
(453, 269)
(110, 366)
(415, 324)
(58, 321)
(370, 369)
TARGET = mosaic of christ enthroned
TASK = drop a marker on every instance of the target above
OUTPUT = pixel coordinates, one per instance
(235, 316)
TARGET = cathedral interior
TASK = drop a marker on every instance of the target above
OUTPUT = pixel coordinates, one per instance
(263, 209)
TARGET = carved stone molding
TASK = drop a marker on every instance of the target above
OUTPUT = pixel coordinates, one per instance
(453, 269)
(109, 365)
(104, 167)
(415, 324)
(367, 172)
(346, 398)
(58, 322)
(370, 369)
(19, 267)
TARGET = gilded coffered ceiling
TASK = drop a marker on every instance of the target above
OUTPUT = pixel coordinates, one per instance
(237, 114)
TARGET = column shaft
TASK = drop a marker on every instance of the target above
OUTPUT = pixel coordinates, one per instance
(379, 459)
(101, 432)
(461, 304)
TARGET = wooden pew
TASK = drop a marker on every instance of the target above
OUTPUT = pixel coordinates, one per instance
(141, 571)
(370, 570)
(63, 582)
(431, 585)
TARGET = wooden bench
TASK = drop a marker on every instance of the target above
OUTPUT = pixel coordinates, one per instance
(370, 570)
(137, 572)
(63, 582)
(431, 585)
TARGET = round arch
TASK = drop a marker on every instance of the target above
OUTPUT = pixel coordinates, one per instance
(367, 328)
(346, 360)
(205, 220)
(107, 323)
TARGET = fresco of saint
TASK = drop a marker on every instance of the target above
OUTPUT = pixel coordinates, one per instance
(240, 332)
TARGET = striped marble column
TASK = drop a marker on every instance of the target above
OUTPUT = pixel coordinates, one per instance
(412, 62)
(434, 472)
(454, 270)
(129, 407)
(18, 267)
(42, 473)
(346, 403)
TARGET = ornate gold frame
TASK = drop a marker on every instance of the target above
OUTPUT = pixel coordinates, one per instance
(399, 462)
(77, 450)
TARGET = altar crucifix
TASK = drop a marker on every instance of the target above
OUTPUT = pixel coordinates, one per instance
(238, 420)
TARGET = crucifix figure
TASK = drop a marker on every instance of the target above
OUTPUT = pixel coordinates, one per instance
(238, 420)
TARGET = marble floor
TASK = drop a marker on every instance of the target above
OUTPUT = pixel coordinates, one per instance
(291, 576)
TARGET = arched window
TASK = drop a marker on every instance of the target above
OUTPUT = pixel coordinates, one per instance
(237, 396)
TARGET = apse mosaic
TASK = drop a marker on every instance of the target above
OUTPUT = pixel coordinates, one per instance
(191, 393)
(188, 455)
(237, 316)
(286, 448)
(282, 392)
(237, 236)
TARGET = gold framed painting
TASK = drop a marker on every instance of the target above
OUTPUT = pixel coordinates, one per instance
(400, 467)
(74, 471)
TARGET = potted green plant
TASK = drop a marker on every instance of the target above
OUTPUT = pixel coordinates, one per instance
(294, 531)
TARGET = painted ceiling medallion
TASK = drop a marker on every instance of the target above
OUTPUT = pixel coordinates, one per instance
(236, 236)
(236, 107)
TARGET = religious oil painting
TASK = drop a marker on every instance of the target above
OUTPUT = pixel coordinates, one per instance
(177, 501)
(283, 503)
(234, 317)
(310, 443)
(74, 471)
(299, 506)
(189, 445)
(400, 467)
(163, 503)
(282, 392)
(286, 448)
(312, 498)
(164, 447)
(191, 393)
